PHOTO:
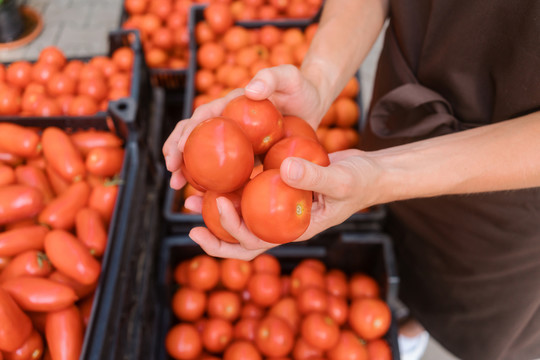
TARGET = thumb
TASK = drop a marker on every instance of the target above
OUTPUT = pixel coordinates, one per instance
(270, 80)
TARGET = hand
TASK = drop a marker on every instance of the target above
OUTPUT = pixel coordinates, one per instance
(341, 189)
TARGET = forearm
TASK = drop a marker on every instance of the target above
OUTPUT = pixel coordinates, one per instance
(502, 156)
(346, 33)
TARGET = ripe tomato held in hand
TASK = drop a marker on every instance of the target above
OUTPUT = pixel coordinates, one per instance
(211, 217)
(295, 146)
(218, 155)
(274, 211)
(260, 120)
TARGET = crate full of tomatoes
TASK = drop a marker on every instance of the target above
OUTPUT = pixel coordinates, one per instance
(66, 191)
(328, 298)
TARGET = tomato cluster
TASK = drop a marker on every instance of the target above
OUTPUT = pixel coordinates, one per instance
(234, 309)
(57, 196)
(55, 86)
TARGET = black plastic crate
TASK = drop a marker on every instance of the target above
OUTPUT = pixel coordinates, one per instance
(368, 252)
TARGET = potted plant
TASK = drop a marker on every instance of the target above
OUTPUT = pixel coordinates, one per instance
(11, 21)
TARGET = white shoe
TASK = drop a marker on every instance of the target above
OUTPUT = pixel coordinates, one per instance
(412, 348)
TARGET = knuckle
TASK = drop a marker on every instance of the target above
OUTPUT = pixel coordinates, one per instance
(344, 185)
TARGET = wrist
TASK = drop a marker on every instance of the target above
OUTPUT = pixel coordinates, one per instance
(319, 74)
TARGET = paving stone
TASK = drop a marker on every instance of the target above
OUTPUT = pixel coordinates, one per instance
(73, 14)
(83, 41)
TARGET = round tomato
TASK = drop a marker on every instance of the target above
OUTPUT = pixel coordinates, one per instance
(10, 101)
(312, 299)
(219, 17)
(210, 214)
(295, 126)
(235, 273)
(304, 351)
(19, 74)
(274, 337)
(95, 88)
(211, 55)
(123, 57)
(218, 155)
(369, 318)
(250, 309)
(216, 335)
(336, 282)
(47, 107)
(363, 285)
(224, 304)
(260, 120)
(379, 350)
(42, 72)
(338, 309)
(303, 277)
(287, 309)
(203, 272)
(183, 342)
(245, 328)
(320, 330)
(60, 84)
(348, 347)
(296, 146)
(189, 304)
(242, 350)
(264, 289)
(273, 210)
(82, 105)
(266, 263)
(52, 55)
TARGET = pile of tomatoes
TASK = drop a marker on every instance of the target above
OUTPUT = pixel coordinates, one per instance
(233, 309)
(56, 86)
(57, 196)
(163, 24)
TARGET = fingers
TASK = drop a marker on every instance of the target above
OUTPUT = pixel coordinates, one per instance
(215, 247)
(194, 203)
(173, 158)
(270, 80)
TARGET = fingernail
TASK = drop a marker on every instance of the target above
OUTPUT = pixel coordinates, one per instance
(255, 86)
(218, 203)
(295, 170)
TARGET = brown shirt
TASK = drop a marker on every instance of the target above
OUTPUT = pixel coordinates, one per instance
(469, 265)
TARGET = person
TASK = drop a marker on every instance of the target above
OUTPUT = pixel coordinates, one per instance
(451, 146)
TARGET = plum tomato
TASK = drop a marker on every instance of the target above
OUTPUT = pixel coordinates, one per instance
(260, 120)
(295, 146)
(210, 214)
(274, 211)
(218, 155)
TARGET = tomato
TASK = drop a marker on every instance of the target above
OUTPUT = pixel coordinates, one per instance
(250, 309)
(242, 350)
(47, 107)
(4, 261)
(20, 224)
(245, 328)
(70, 256)
(19, 140)
(7, 175)
(16, 325)
(42, 72)
(264, 288)
(260, 120)
(19, 74)
(203, 272)
(266, 263)
(33, 176)
(274, 337)
(82, 105)
(58, 183)
(347, 112)
(295, 126)
(210, 55)
(81, 290)
(369, 318)
(312, 299)
(338, 309)
(123, 57)
(216, 335)
(32, 348)
(96, 88)
(30, 101)
(304, 351)
(218, 155)
(351, 88)
(219, 17)
(60, 84)
(336, 283)
(2, 73)
(64, 333)
(180, 273)
(85, 307)
(287, 309)
(306, 276)
(211, 215)
(103, 199)
(188, 304)
(61, 212)
(234, 273)
(10, 101)
(19, 202)
(162, 38)
(73, 68)
(183, 342)
(348, 347)
(135, 6)
(204, 33)
(295, 146)
(91, 231)
(285, 285)
(120, 81)
(224, 304)
(236, 38)
(52, 55)
(320, 330)
(105, 161)
(61, 153)
(39, 294)
(273, 210)
(27, 263)
(363, 285)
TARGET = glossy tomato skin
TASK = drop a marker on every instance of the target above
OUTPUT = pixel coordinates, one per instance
(86, 140)
(32, 348)
(348, 347)
(90, 229)
(242, 350)
(369, 318)
(16, 325)
(61, 212)
(61, 153)
(64, 332)
(211, 217)
(19, 140)
(224, 304)
(19, 202)
(218, 155)
(203, 272)
(274, 211)
(216, 334)
(183, 342)
(274, 337)
(189, 304)
(296, 146)
(30, 262)
(235, 273)
(379, 350)
(295, 126)
(260, 120)
(264, 289)
(16, 241)
(33, 176)
(105, 161)
(320, 331)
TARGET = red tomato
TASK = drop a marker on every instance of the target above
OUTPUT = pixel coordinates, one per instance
(33, 176)
(70, 256)
(227, 153)
(61, 212)
(234, 273)
(287, 309)
(73, 68)
(82, 105)
(2, 73)
(369, 318)
(242, 350)
(16, 325)
(338, 309)
(274, 337)
(124, 58)
(103, 199)
(81, 290)
(39, 294)
(203, 272)
(65, 102)
(219, 17)
(295, 126)
(304, 351)
(336, 283)
(10, 101)
(19, 74)
(348, 347)
(245, 328)
(136, 6)
(96, 88)
(64, 333)
(7, 175)
(224, 304)
(216, 335)
(48, 107)
(30, 100)
(162, 38)
(189, 304)
(61, 153)
(312, 299)
(32, 348)
(183, 342)
(260, 120)
(250, 309)
(22, 239)
(266, 263)
(42, 72)
(19, 202)
(181, 273)
(19, 140)
(52, 55)
(85, 307)
(60, 84)
(264, 288)
(320, 330)
(27, 263)
(105, 161)
(58, 183)
(91, 231)
(306, 276)
(211, 215)
(274, 211)
(295, 146)
(379, 350)
(363, 285)
(211, 55)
